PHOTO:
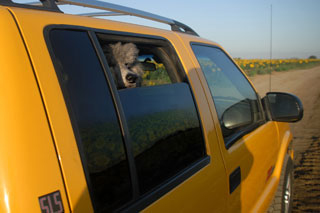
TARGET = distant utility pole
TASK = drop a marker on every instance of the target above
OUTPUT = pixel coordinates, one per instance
(270, 48)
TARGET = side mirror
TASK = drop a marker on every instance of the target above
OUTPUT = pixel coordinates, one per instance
(283, 107)
(237, 115)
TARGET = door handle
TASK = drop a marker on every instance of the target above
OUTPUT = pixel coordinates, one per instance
(235, 179)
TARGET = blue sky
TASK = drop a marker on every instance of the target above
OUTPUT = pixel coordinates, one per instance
(242, 27)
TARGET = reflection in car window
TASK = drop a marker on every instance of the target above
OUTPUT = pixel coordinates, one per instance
(165, 131)
(228, 86)
(164, 128)
(91, 104)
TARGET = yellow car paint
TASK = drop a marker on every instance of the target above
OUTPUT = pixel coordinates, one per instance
(40, 153)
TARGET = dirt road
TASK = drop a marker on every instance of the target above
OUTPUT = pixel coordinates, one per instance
(306, 85)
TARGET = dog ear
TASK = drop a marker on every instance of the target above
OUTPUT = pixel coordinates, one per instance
(108, 52)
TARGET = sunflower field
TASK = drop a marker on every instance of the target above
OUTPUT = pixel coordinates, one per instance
(263, 66)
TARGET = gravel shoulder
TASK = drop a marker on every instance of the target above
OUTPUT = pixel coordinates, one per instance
(306, 85)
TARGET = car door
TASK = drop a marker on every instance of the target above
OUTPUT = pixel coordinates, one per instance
(249, 143)
(91, 123)
(158, 160)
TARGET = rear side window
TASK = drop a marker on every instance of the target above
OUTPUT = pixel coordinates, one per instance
(95, 120)
(165, 131)
(160, 142)
(236, 102)
(161, 115)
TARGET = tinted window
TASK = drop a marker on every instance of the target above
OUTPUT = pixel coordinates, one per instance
(90, 103)
(161, 121)
(235, 100)
(161, 116)
(165, 131)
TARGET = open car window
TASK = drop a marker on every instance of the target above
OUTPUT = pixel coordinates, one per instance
(152, 61)
(137, 139)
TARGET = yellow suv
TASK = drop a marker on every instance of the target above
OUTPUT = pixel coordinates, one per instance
(192, 136)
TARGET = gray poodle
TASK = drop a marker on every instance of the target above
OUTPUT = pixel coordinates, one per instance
(125, 68)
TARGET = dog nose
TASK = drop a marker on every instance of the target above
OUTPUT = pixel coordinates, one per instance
(131, 78)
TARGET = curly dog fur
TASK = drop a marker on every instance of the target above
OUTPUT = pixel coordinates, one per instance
(125, 68)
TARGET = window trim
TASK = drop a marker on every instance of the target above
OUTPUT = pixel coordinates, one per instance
(71, 114)
(159, 191)
(230, 140)
(138, 202)
(120, 114)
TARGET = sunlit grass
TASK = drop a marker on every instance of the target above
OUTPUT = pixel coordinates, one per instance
(263, 66)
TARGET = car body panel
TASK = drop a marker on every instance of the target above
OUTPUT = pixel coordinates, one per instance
(285, 138)
(249, 152)
(56, 161)
(29, 167)
(205, 181)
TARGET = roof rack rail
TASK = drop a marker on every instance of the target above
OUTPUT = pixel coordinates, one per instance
(113, 9)
(122, 10)
(48, 5)
(96, 14)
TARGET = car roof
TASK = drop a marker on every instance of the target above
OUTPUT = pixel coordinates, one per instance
(48, 11)
(108, 9)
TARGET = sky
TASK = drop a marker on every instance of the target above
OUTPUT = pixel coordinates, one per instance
(243, 27)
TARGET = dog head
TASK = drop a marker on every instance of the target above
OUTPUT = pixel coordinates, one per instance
(125, 68)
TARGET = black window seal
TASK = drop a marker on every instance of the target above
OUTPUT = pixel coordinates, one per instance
(141, 201)
(116, 100)
(71, 114)
(164, 188)
(230, 140)
(157, 192)
(120, 113)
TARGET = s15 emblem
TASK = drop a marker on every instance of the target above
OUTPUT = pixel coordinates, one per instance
(51, 203)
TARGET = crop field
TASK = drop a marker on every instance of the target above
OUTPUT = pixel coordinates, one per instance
(251, 67)
(263, 66)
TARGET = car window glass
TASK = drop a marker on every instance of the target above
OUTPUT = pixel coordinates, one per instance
(90, 102)
(232, 93)
(165, 131)
(162, 117)
(160, 120)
